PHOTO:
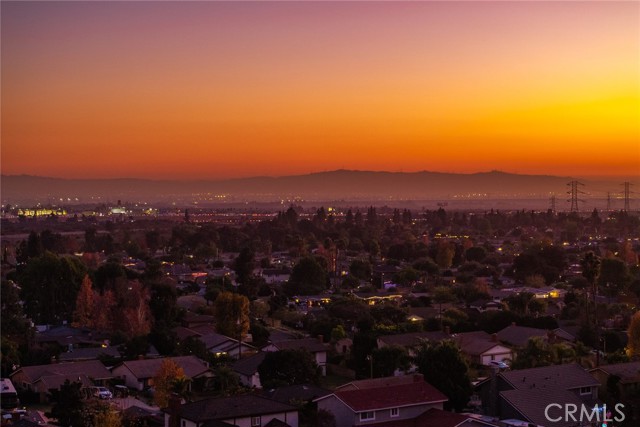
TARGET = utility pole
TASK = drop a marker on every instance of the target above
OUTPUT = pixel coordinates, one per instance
(627, 197)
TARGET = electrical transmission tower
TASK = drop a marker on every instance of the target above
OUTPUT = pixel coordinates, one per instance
(627, 195)
(573, 193)
(608, 201)
(553, 203)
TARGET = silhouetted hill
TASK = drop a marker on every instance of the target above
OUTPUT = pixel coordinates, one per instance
(333, 185)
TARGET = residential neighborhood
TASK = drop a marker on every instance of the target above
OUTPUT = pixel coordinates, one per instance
(382, 318)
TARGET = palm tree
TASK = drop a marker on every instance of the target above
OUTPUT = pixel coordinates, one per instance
(590, 270)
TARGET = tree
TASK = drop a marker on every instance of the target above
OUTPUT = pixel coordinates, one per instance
(135, 312)
(388, 359)
(288, 367)
(442, 295)
(50, 285)
(633, 347)
(360, 269)
(243, 265)
(446, 252)
(535, 353)
(613, 276)
(232, 314)
(69, 408)
(82, 316)
(444, 367)
(107, 418)
(308, 277)
(163, 381)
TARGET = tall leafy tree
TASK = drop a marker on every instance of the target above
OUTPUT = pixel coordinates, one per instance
(164, 380)
(69, 408)
(444, 368)
(232, 314)
(50, 285)
(288, 367)
(83, 314)
(634, 336)
(308, 277)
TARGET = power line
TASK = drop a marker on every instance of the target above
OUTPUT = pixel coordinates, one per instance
(573, 192)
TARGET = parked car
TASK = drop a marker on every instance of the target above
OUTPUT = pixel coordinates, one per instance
(498, 364)
(102, 393)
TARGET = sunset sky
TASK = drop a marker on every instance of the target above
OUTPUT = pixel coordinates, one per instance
(233, 89)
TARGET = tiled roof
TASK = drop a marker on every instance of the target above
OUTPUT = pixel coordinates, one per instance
(519, 335)
(431, 418)
(249, 365)
(562, 377)
(300, 392)
(628, 372)
(312, 345)
(531, 403)
(91, 353)
(475, 343)
(413, 338)
(53, 382)
(148, 368)
(231, 407)
(381, 382)
(91, 368)
(368, 399)
(183, 333)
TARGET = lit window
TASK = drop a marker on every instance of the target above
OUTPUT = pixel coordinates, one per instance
(367, 416)
(395, 412)
(255, 421)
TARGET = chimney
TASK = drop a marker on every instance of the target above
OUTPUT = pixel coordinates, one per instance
(447, 330)
(494, 337)
(54, 360)
(174, 410)
(493, 392)
(513, 323)
(321, 339)
(141, 357)
(418, 378)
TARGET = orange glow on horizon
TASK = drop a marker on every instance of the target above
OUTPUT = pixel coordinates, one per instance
(218, 90)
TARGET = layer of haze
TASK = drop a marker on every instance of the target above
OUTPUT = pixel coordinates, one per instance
(229, 89)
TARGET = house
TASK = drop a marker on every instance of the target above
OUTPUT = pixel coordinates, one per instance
(524, 394)
(296, 393)
(381, 400)
(44, 378)
(275, 275)
(315, 346)
(68, 337)
(218, 345)
(247, 370)
(481, 348)
(439, 418)
(620, 383)
(412, 339)
(246, 410)
(519, 335)
(89, 353)
(191, 320)
(138, 374)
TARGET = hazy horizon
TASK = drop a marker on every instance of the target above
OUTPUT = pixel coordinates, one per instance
(612, 178)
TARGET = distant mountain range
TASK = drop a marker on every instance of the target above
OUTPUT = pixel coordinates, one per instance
(333, 185)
